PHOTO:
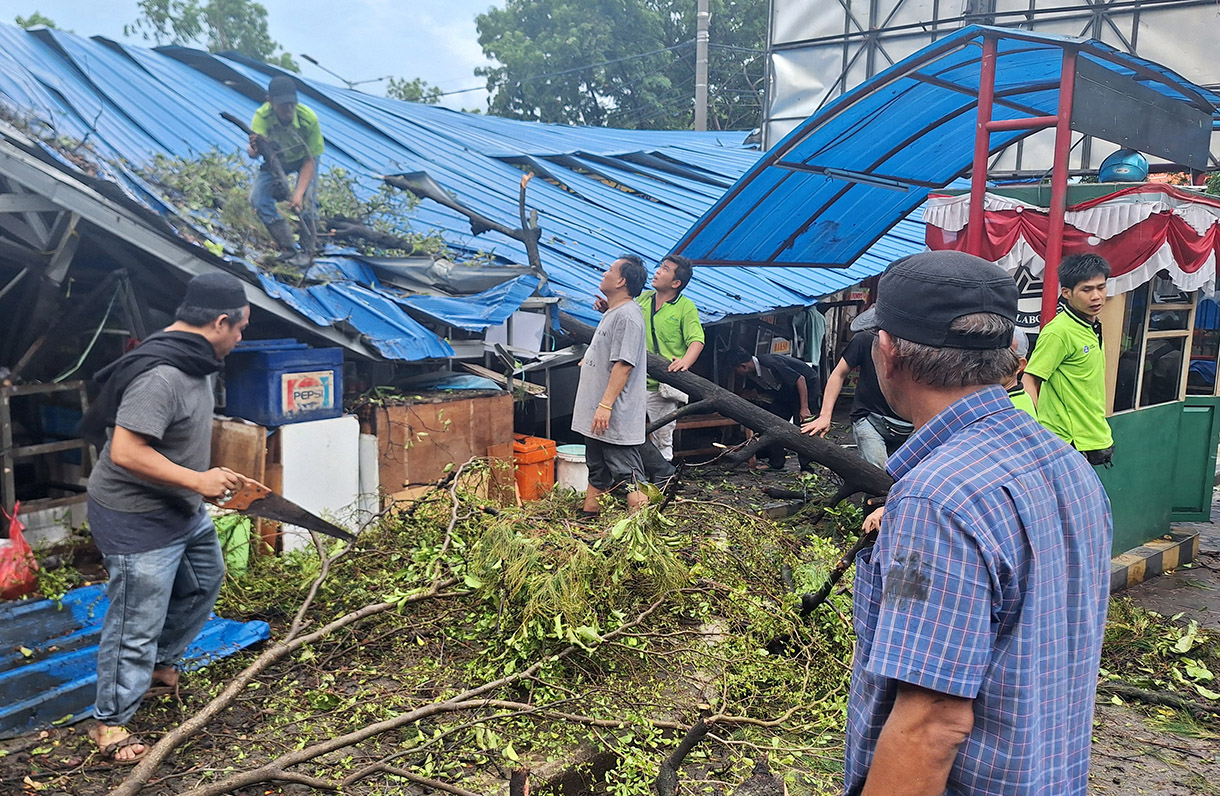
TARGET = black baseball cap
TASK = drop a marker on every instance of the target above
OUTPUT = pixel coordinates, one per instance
(215, 290)
(919, 296)
(282, 89)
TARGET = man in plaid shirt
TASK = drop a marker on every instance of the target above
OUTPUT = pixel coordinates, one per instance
(980, 611)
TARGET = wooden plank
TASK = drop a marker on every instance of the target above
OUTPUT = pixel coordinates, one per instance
(240, 446)
(273, 477)
(502, 380)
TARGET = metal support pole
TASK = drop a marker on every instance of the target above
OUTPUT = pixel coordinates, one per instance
(701, 36)
(1059, 178)
(982, 147)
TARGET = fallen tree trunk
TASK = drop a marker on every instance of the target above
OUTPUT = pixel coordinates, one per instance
(857, 474)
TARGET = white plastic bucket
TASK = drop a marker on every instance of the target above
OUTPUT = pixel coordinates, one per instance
(571, 471)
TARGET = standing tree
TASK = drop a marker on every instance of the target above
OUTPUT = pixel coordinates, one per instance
(622, 63)
(220, 25)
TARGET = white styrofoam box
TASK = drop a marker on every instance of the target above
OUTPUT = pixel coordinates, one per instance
(47, 527)
(321, 460)
(370, 477)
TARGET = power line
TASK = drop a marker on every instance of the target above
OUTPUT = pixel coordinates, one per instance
(583, 68)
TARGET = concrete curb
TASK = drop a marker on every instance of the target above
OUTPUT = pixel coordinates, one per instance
(1152, 558)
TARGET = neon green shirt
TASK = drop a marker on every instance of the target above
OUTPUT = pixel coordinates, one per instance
(1021, 400)
(297, 141)
(1072, 399)
(670, 330)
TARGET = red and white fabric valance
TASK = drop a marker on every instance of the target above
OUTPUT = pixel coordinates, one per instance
(1139, 230)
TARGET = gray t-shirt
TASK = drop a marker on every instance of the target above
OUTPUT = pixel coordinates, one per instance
(619, 338)
(174, 411)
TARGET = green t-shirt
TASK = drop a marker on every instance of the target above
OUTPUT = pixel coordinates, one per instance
(1021, 400)
(297, 141)
(1072, 399)
(670, 330)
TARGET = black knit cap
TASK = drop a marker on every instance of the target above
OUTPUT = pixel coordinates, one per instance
(215, 290)
(282, 89)
(919, 296)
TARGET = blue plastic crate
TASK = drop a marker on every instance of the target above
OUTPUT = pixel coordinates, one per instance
(276, 382)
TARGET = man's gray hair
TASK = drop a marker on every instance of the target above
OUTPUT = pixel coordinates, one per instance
(961, 367)
(201, 316)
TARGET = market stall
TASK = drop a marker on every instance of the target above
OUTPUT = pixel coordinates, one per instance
(1161, 327)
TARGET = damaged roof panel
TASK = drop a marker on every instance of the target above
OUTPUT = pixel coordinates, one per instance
(130, 103)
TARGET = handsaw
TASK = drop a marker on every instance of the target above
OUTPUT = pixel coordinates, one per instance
(257, 500)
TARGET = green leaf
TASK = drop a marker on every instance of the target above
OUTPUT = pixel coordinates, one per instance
(511, 753)
(25, 651)
(472, 582)
(1206, 692)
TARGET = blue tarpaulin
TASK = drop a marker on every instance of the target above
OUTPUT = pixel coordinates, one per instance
(475, 313)
(48, 656)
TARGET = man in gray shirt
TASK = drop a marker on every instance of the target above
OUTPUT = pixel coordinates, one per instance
(611, 397)
(146, 497)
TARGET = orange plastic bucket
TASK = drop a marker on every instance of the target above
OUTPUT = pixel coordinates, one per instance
(534, 458)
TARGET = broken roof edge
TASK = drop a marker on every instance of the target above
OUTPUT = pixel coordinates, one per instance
(19, 163)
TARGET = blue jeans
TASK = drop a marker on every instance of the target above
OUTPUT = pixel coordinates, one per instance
(264, 204)
(159, 601)
(870, 443)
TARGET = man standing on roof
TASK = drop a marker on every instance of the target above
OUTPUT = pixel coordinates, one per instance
(1066, 375)
(877, 431)
(671, 329)
(610, 397)
(152, 426)
(294, 129)
(981, 608)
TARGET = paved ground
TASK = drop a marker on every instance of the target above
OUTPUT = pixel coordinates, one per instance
(1134, 754)
(1194, 589)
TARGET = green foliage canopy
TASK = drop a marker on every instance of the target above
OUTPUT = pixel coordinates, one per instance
(622, 63)
(34, 20)
(416, 90)
(220, 25)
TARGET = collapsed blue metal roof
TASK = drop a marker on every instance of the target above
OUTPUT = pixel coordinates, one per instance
(832, 187)
(601, 192)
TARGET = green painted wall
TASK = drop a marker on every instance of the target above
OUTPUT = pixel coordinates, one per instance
(1164, 468)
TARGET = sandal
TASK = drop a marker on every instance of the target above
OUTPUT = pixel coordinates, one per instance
(161, 688)
(109, 752)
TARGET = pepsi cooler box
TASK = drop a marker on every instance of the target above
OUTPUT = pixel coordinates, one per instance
(276, 382)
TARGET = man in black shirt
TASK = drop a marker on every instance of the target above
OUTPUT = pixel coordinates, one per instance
(787, 384)
(877, 431)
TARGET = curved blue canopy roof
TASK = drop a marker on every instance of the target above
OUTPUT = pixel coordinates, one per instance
(838, 182)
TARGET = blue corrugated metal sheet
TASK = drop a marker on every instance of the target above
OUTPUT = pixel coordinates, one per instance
(54, 677)
(600, 192)
(913, 126)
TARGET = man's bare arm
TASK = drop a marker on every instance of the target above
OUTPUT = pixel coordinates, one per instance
(919, 743)
(1033, 386)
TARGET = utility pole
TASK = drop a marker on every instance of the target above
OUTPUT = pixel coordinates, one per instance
(701, 25)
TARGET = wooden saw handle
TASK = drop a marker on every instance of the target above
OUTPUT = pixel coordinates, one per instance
(240, 500)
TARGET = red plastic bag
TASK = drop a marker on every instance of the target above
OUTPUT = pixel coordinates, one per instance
(17, 562)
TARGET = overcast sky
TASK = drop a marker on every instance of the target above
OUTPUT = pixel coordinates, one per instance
(358, 39)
